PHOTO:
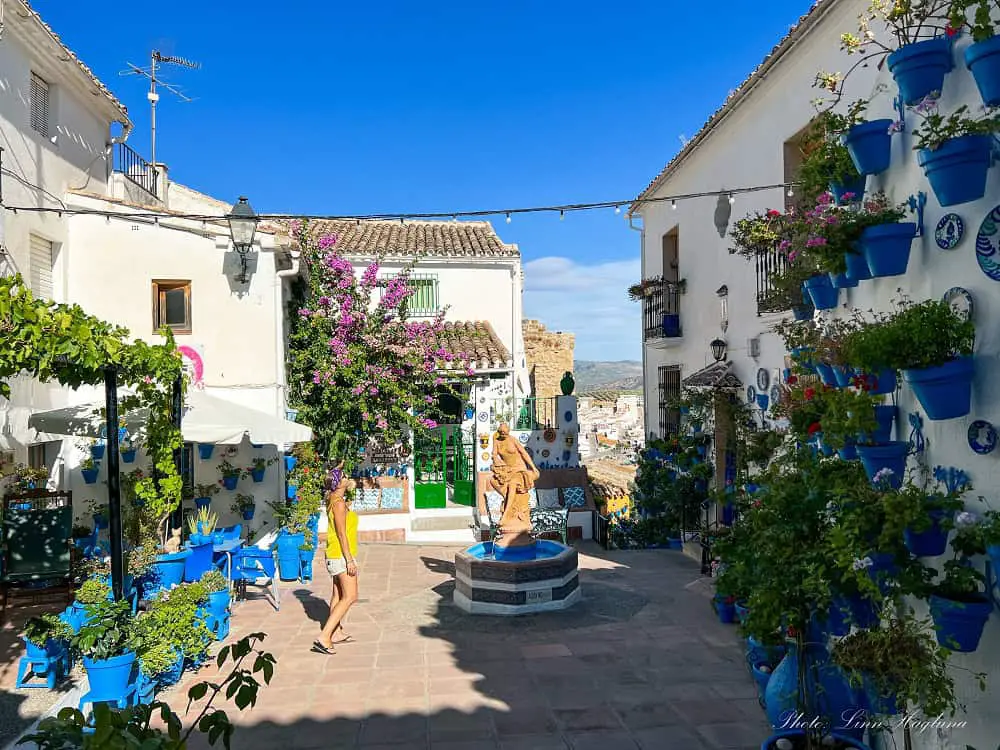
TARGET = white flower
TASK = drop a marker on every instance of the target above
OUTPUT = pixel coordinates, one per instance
(883, 474)
(864, 562)
(966, 519)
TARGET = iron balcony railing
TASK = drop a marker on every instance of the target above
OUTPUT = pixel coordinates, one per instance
(137, 170)
(661, 312)
(767, 264)
(534, 413)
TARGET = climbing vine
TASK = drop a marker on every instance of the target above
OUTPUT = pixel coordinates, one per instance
(59, 342)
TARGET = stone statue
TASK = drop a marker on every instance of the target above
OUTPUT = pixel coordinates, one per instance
(174, 542)
(514, 475)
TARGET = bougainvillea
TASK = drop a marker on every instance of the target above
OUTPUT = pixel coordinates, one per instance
(359, 368)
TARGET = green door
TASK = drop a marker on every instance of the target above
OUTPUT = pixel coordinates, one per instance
(444, 468)
(462, 467)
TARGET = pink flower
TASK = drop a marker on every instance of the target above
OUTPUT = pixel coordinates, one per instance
(784, 245)
(824, 199)
(849, 196)
(382, 424)
(792, 256)
(816, 242)
(327, 241)
(896, 127)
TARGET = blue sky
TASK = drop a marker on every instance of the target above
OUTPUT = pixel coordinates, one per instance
(339, 107)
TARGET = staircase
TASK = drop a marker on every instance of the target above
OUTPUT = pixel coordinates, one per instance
(444, 526)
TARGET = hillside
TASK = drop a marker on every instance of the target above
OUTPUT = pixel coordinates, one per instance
(625, 375)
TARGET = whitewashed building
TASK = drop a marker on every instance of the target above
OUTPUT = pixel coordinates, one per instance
(750, 141)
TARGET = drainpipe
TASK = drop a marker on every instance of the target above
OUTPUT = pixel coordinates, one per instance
(642, 275)
(279, 333)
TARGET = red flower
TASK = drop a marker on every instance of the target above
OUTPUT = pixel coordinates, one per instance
(756, 503)
(792, 632)
(810, 393)
(773, 212)
(950, 30)
(792, 379)
(814, 428)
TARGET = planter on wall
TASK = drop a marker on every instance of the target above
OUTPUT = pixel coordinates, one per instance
(983, 60)
(230, 482)
(919, 68)
(857, 267)
(843, 376)
(886, 248)
(959, 625)
(826, 374)
(870, 146)
(881, 382)
(821, 291)
(89, 475)
(944, 391)
(891, 456)
(931, 542)
(855, 186)
(957, 169)
(842, 281)
(205, 451)
(97, 451)
(803, 312)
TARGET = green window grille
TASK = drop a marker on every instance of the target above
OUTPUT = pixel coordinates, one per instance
(424, 300)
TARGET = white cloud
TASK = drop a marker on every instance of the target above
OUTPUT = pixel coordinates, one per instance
(587, 300)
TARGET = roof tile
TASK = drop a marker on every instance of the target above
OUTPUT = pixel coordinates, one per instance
(445, 239)
(476, 339)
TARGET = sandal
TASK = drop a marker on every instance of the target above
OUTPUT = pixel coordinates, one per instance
(345, 639)
(319, 648)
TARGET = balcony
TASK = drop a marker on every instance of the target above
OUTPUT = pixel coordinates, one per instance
(533, 413)
(136, 170)
(661, 320)
(770, 298)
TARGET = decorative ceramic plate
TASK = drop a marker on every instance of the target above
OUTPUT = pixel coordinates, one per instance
(763, 379)
(960, 301)
(751, 394)
(485, 456)
(549, 435)
(987, 242)
(982, 437)
(545, 453)
(483, 416)
(568, 416)
(524, 437)
(469, 412)
(949, 232)
(775, 394)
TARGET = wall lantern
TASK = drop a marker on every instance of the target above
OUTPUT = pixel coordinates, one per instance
(723, 210)
(242, 228)
(718, 349)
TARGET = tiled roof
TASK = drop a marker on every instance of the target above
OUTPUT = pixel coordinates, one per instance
(105, 91)
(716, 375)
(443, 239)
(609, 481)
(796, 31)
(479, 341)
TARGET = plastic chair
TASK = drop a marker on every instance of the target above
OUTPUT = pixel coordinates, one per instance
(230, 533)
(250, 564)
(199, 563)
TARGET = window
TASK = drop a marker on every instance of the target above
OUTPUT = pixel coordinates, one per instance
(43, 455)
(172, 306)
(40, 266)
(424, 300)
(670, 393)
(38, 102)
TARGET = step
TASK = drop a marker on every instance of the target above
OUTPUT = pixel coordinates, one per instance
(464, 538)
(460, 521)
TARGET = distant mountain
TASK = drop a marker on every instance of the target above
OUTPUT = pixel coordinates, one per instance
(625, 375)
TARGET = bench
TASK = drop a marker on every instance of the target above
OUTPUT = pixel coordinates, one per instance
(543, 520)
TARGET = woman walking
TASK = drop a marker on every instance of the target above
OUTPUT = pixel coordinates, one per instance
(341, 547)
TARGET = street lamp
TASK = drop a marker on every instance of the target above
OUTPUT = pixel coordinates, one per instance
(718, 347)
(242, 228)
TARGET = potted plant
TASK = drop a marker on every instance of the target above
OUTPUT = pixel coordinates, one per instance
(170, 632)
(205, 451)
(107, 644)
(46, 638)
(826, 163)
(217, 589)
(127, 449)
(982, 57)
(868, 142)
(99, 512)
(230, 474)
(203, 494)
(257, 468)
(847, 413)
(959, 604)
(243, 506)
(928, 515)
(89, 468)
(95, 447)
(955, 151)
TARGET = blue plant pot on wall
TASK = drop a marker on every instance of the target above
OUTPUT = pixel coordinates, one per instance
(230, 482)
(128, 457)
(248, 514)
(856, 187)
(931, 542)
(292, 492)
(849, 452)
(857, 267)
(205, 451)
(944, 391)
(842, 281)
(891, 456)
(202, 502)
(959, 625)
(983, 60)
(886, 248)
(826, 374)
(881, 382)
(290, 462)
(885, 415)
(258, 475)
(843, 375)
(89, 475)
(957, 170)
(870, 146)
(821, 292)
(920, 68)
(803, 312)
(97, 451)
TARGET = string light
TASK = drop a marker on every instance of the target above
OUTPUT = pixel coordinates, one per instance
(618, 209)
(508, 217)
(732, 199)
(673, 205)
(562, 214)
(791, 193)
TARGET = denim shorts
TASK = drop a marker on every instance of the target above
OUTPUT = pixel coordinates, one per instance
(335, 566)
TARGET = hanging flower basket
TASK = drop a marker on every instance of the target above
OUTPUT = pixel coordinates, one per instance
(257, 475)
(843, 376)
(983, 60)
(290, 462)
(97, 451)
(958, 168)
(870, 146)
(821, 291)
(826, 374)
(205, 451)
(855, 187)
(248, 513)
(959, 625)
(890, 456)
(930, 542)
(230, 482)
(857, 267)
(842, 281)
(920, 68)
(89, 475)
(886, 248)
(880, 383)
(944, 391)
(128, 457)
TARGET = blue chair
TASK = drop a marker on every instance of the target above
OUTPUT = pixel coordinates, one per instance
(230, 533)
(199, 563)
(250, 564)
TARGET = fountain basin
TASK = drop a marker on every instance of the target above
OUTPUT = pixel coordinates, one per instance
(543, 577)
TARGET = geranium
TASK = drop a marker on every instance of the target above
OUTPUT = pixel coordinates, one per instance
(814, 428)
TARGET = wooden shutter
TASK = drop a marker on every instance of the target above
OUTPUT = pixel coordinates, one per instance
(670, 391)
(38, 97)
(40, 266)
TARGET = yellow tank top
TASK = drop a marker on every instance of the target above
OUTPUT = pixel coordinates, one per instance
(333, 550)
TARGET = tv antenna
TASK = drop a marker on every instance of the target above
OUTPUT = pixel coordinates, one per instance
(158, 59)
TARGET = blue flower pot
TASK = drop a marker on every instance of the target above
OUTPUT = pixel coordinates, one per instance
(983, 60)
(838, 618)
(257, 475)
(931, 542)
(881, 382)
(675, 543)
(886, 248)
(306, 562)
(843, 376)
(793, 735)
(885, 415)
(870, 146)
(288, 555)
(760, 677)
(944, 391)
(230, 482)
(825, 448)
(218, 603)
(863, 611)
(110, 679)
(842, 281)
(128, 457)
(876, 702)
(290, 462)
(728, 514)
(891, 456)
(202, 502)
(205, 451)
(100, 522)
(97, 451)
(849, 452)
(883, 570)
(857, 267)
(218, 537)
(89, 475)
(855, 186)
(919, 68)
(959, 625)
(724, 609)
(742, 611)
(821, 292)
(292, 492)
(200, 560)
(671, 325)
(167, 571)
(958, 168)
(827, 692)
(762, 401)
(826, 374)
(248, 514)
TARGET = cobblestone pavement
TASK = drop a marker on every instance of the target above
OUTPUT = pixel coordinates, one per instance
(640, 662)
